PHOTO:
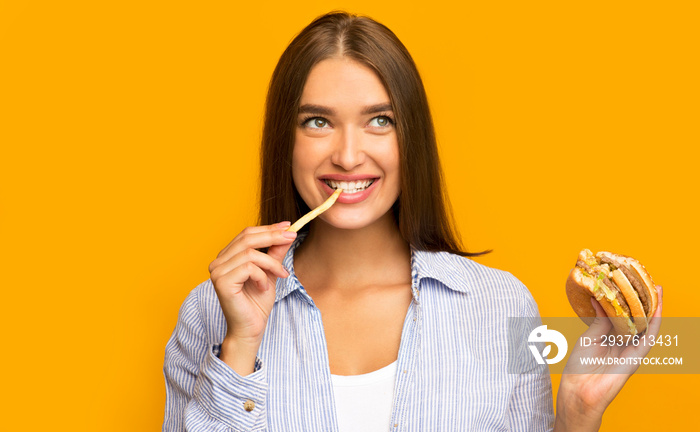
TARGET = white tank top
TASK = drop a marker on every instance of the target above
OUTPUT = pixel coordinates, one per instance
(363, 402)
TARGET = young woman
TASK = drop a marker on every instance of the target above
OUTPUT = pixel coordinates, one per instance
(372, 318)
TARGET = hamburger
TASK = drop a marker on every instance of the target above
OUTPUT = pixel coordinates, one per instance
(621, 285)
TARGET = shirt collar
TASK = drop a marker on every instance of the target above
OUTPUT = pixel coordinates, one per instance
(441, 266)
(290, 284)
(451, 270)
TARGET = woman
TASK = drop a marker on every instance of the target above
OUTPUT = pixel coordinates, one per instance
(372, 318)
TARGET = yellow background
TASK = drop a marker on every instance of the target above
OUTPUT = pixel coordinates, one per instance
(129, 134)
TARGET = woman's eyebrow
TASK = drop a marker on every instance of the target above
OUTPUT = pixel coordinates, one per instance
(372, 109)
(323, 110)
(315, 109)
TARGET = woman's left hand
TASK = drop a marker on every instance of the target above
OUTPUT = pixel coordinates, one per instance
(585, 391)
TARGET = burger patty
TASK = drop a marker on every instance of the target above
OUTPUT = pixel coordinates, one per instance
(595, 272)
(584, 266)
(618, 295)
(634, 280)
(639, 287)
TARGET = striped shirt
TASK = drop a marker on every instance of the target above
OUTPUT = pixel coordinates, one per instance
(452, 361)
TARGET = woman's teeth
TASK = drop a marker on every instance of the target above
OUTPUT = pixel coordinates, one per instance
(350, 187)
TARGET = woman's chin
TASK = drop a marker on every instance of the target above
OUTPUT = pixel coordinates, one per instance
(346, 224)
(349, 221)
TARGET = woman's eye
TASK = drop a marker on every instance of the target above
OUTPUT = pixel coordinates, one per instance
(380, 121)
(316, 123)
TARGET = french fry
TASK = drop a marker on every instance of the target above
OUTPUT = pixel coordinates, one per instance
(308, 217)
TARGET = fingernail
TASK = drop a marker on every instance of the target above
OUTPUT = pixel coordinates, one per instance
(284, 224)
(286, 270)
(289, 234)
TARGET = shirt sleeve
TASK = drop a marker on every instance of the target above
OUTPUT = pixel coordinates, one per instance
(531, 405)
(202, 392)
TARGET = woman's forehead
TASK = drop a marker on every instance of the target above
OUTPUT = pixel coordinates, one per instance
(341, 81)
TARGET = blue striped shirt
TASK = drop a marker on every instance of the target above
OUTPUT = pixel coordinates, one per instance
(452, 362)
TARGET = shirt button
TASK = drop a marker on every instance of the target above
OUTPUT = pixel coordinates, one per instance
(249, 405)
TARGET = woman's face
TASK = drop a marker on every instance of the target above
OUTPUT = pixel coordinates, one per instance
(345, 138)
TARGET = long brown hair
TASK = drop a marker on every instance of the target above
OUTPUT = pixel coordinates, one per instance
(422, 209)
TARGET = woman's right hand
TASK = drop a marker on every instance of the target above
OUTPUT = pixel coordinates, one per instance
(585, 391)
(244, 279)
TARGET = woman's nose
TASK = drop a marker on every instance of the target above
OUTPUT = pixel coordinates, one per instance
(348, 150)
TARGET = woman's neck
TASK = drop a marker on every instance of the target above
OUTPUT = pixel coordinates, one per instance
(340, 258)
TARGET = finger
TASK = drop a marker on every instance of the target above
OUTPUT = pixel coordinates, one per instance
(655, 323)
(232, 282)
(660, 291)
(262, 282)
(255, 230)
(601, 324)
(259, 240)
(260, 259)
(278, 252)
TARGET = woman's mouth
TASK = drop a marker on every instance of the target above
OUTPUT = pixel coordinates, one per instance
(349, 187)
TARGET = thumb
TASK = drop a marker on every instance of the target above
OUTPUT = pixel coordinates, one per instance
(279, 251)
(601, 323)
